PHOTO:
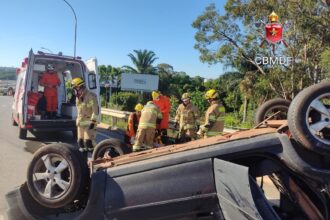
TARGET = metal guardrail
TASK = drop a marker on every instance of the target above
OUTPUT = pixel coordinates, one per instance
(117, 114)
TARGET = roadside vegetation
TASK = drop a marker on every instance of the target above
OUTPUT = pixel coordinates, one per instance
(7, 73)
(234, 39)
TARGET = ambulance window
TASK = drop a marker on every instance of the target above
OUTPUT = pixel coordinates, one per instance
(92, 80)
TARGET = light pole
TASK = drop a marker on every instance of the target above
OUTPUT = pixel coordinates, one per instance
(75, 27)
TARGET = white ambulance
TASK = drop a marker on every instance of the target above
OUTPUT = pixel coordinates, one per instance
(29, 106)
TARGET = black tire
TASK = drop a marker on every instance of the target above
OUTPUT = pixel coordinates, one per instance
(75, 133)
(60, 175)
(112, 147)
(270, 107)
(305, 116)
(22, 133)
(83, 165)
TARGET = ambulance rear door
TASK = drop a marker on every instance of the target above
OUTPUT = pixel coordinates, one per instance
(27, 85)
(92, 79)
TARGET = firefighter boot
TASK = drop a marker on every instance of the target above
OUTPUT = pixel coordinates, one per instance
(82, 148)
(89, 145)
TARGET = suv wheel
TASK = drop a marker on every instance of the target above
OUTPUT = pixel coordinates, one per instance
(309, 118)
(55, 175)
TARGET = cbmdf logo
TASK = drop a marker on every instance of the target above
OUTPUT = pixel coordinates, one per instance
(273, 32)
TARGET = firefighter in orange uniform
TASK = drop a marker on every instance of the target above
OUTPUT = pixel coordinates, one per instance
(163, 102)
(133, 123)
(50, 81)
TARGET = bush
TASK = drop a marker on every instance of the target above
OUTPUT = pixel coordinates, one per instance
(125, 101)
(197, 98)
(174, 105)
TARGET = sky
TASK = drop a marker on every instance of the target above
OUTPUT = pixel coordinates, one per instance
(107, 29)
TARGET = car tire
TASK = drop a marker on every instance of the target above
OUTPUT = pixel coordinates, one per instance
(55, 175)
(75, 133)
(22, 133)
(309, 118)
(111, 147)
(270, 107)
(83, 165)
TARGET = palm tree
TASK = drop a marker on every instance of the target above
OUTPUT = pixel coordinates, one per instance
(142, 61)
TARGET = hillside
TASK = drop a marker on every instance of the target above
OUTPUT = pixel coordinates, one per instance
(7, 73)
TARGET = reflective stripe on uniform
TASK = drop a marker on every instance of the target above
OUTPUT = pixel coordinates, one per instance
(188, 126)
(146, 125)
(84, 123)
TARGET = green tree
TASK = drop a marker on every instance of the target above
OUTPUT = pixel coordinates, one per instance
(142, 60)
(221, 38)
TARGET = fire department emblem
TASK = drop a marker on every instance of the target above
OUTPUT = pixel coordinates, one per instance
(273, 32)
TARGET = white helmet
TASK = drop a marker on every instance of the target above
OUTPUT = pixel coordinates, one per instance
(50, 67)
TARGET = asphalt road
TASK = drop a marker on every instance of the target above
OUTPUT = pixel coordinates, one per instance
(16, 154)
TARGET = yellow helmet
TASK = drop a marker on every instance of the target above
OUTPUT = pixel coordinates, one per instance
(155, 94)
(211, 94)
(77, 82)
(138, 107)
(185, 96)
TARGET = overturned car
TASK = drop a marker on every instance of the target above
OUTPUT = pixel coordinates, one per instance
(214, 178)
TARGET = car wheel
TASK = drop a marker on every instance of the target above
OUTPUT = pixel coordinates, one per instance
(22, 133)
(270, 107)
(110, 147)
(55, 176)
(309, 118)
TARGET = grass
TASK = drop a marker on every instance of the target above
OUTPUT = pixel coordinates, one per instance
(119, 123)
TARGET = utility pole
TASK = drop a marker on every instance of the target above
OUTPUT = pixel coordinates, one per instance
(75, 28)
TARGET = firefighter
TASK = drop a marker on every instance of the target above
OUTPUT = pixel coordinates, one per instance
(50, 80)
(133, 123)
(187, 119)
(87, 115)
(164, 105)
(150, 117)
(214, 116)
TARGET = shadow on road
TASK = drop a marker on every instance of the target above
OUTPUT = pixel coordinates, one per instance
(39, 139)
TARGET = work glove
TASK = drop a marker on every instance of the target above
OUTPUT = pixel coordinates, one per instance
(132, 140)
(91, 126)
(201, 130)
